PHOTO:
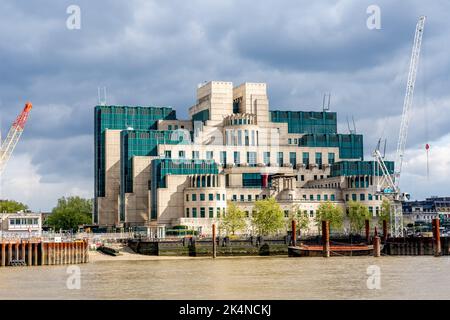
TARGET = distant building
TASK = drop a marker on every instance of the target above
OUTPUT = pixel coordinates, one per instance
(427, 210)
(20, 224)
(154, 170)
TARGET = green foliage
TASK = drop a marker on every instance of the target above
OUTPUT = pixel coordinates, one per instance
(301, 218)
(385, 213)
(268, 217)
(11, 206)
(357, 215)
(234, 220)
(70, 213)
(332, 213)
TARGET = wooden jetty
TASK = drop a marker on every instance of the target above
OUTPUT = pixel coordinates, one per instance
(334, 250)
(38, 253)
(326, 249)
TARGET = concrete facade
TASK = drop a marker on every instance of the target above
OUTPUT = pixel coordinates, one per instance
(235, 132)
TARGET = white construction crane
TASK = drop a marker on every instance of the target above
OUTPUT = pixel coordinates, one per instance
(8, 145)
(392, 190)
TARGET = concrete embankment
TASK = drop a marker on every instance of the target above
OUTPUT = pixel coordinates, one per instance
(204, 247)
(416, 246)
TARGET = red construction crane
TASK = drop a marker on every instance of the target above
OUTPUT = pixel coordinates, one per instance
(8, 145)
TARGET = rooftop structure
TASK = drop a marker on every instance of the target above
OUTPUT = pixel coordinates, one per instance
(20, 225)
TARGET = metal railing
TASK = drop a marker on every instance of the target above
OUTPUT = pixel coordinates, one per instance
(65, 236)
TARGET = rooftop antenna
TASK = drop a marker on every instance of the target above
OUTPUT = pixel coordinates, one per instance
(101, 99)
(350, 130)
(326, 99)
(348, 125)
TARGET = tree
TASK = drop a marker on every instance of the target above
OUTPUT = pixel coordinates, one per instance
(69, 213)
(357, 215)
(301, 218)
(268, 217)
(234, 219)
(11, 206)
(332, 213)
(385, 213)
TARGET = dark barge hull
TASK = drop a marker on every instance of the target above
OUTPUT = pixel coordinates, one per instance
(335, 251)
(108, 251)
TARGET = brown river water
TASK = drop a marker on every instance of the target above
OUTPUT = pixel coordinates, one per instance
(235, 278)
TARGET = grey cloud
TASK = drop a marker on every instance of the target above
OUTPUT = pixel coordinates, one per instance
(155, 53)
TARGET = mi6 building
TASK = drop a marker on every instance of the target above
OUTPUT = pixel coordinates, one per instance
(154, 170)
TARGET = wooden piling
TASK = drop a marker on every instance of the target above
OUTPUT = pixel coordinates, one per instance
(385, 231)
(30, 253)
(16, 250)
(60, 253)
(20, 248)
(55, 253)
(86, 260)
(294, 233)
(51, 253)
(436, 237)
(326, 238)
(3, 263)
(44, 259)
(367, 225)
(376, 246)
(214, 247)
(83, 251)
(76, 252)
(35, 247)
(86, 250)
(10, 254)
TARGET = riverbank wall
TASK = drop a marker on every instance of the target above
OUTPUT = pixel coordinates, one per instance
(253, 246)
(29, 253)
(423, 246)
(257, 246)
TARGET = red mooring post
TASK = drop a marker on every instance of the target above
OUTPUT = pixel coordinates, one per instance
(436, 237)
(214, 240)
(385, 232)
(376, 246)
(367, 224)
(30, 253)
(326, 238)
(294, 233)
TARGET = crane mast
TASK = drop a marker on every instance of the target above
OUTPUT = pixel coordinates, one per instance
(8, 145)
(413, 66)
(392, 191)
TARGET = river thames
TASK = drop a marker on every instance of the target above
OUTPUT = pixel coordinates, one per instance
(236, 278)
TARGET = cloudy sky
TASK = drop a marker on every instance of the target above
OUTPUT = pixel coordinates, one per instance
(156, 52)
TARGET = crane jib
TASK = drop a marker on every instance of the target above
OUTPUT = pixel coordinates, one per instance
(14, 133)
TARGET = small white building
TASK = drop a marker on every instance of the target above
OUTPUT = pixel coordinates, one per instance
(20, 225)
